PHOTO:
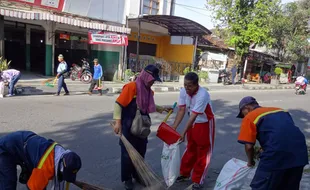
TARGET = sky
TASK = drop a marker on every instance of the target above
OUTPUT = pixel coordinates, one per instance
(195, 10)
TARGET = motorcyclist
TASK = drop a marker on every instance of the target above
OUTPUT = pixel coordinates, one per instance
(302, 81)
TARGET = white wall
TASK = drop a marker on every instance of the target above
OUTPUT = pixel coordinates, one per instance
(164, 8)
(107, 10)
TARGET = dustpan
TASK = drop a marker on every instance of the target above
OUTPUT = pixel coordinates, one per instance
(166, 133)
(49, 82)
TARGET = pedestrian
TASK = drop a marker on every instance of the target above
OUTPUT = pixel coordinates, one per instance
(61, 70)
(96, 78)
(41, 160)
(11, 76)
(135, 95)
(233, 74)
(284, 150)
(199, 130)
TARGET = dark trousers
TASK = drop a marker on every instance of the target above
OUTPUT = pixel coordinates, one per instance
(233, 79)
(13, 81)
(288, 179)
(8, 172)
(62, 84)
(95, 82)
(127, 168)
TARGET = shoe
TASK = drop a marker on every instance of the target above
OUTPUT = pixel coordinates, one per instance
(89, 93)
(128, 185)
(66, 94)
(100, 94)
(182, 178)
(56, 94)
(196, 186)
(9, 95)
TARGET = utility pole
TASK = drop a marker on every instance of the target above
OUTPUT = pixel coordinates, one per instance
(1, 36)
(171, 7)
(138, 40)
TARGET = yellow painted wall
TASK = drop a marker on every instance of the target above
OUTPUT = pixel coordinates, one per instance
(165, 50)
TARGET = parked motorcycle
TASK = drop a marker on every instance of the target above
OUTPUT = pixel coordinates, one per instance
(224, 77)
(299, 90)
(82, 73)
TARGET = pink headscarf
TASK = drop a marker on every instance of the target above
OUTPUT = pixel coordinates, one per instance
(145, 98)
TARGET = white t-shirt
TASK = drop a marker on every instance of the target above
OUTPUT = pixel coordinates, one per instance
(200, 103)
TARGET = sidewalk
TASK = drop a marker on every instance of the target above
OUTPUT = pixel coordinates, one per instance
(29, 87)
(31, 84)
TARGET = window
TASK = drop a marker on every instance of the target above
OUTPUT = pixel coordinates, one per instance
(181, 40)
(150, 7)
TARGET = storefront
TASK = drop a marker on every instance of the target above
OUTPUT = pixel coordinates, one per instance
(35, 36)
(167, 40)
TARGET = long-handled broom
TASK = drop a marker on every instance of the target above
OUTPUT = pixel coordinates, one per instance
(48, 82)
(147, 176)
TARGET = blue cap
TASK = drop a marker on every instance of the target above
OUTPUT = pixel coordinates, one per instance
(154, 71)
(245, 101)
(72, 164)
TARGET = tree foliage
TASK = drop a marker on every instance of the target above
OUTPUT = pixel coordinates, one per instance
(245, 21)
(289, 28)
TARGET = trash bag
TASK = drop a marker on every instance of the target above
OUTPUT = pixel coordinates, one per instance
(235, 175)
(170, 163)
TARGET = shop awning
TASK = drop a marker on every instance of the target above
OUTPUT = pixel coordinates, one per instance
(177, 26)
(286, 66)
(74, 21)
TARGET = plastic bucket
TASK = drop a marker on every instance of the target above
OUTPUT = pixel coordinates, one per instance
(167, 134)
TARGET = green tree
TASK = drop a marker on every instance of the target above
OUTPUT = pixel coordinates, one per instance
(289, 29)
(246, 21)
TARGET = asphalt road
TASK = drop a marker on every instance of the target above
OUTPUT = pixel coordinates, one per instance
(81, 123)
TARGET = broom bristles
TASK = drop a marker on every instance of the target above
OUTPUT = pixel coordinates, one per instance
(47, 81)
(145, 173)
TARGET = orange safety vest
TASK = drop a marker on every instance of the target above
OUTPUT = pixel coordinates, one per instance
(45, 170)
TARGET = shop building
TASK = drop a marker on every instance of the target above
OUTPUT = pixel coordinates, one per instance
(35, 32)
(162, 37)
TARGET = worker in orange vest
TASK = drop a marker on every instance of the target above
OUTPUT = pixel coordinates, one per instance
(41, 160)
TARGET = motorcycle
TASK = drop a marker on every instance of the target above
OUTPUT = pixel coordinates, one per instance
(225, 78)
(83, 73)
(299, 90)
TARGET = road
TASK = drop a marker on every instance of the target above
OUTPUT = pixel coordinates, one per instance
(81, 123)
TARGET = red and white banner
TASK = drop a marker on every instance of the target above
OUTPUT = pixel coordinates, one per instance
(46, 4)
(101, 37)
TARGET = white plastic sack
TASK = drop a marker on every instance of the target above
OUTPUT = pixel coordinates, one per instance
(170, 163)
(1, 89)
(235, 175)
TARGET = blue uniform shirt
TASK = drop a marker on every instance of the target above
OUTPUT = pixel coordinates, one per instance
(25, 147)
(284, 145)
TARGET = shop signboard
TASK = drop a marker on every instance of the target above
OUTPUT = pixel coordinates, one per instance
(46, 4)
(101, 37)
(64, 36)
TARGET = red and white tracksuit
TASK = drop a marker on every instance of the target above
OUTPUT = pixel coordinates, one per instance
(200, 137)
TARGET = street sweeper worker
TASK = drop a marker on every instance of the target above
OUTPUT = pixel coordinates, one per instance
(135, 95)
(195, 101)
(11, 76)
(284, 150)
(41, 160)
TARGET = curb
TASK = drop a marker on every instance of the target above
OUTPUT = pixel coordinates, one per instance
(268, 87)
(117, 90)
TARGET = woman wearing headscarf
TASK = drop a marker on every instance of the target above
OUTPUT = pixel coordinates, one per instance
(136, 94)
